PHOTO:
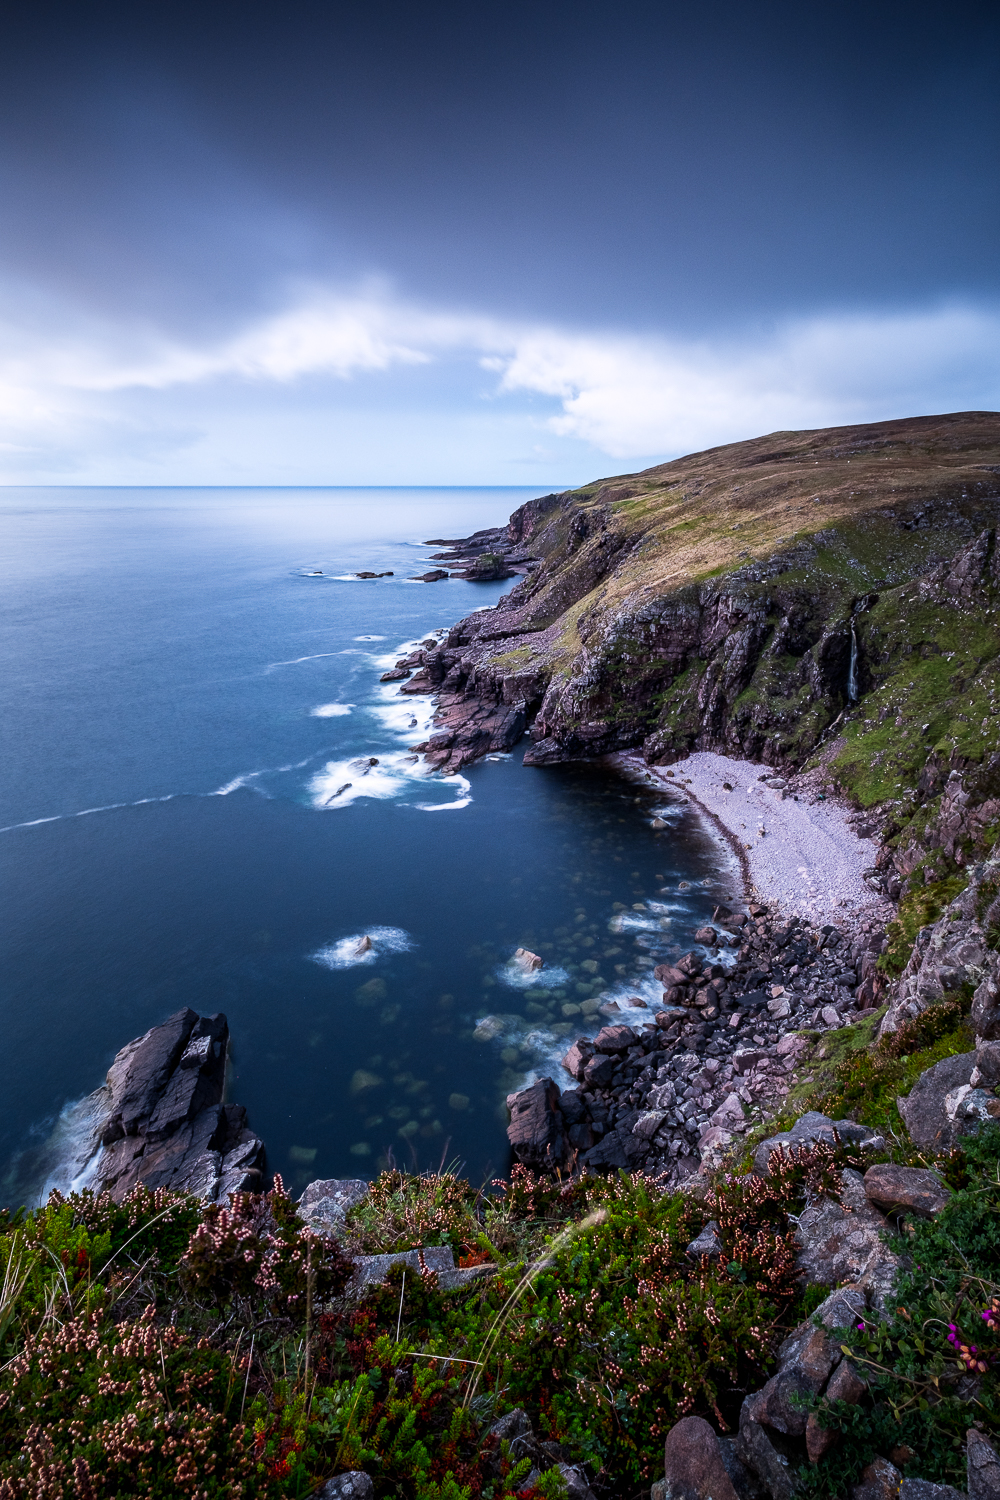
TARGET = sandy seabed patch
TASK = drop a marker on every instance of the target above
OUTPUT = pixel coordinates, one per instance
(807, 861)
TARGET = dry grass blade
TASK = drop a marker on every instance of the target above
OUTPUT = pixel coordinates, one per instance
(16, 1272)
(533, 1271)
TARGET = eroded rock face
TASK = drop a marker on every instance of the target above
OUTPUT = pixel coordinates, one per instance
(982, 1467)
(160, 1117)
(925, 1109)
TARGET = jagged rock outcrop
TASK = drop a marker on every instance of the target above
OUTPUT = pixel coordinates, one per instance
(955, 954)
(159, 1118)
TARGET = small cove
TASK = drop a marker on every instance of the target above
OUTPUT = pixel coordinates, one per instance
(176, 668)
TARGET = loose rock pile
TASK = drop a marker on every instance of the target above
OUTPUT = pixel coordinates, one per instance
(721, 1053)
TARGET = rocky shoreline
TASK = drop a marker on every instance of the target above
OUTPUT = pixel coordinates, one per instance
(720, 1057)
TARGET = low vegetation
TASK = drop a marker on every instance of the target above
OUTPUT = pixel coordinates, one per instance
(162, 1347)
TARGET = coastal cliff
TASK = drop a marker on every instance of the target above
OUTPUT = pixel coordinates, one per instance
(830, 591)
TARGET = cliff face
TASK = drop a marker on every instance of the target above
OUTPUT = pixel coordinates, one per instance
(718, 601)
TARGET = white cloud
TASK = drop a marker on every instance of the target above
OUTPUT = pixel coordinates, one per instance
(634, 396)
(70, 382)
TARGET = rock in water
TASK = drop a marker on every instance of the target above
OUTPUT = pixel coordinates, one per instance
(536, 1126)
(364, 946)
(527, 961)
(160, 1118)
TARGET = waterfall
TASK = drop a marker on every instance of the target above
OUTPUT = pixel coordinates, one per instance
(852, 671)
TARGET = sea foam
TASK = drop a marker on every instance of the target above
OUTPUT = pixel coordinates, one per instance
(344, 954)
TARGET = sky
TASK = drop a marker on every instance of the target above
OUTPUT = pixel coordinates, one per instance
(436, 243)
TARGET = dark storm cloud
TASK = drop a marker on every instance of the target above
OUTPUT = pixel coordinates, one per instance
(656, 225)
(652, 162)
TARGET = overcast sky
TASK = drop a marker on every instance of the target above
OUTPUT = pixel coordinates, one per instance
(315, 243)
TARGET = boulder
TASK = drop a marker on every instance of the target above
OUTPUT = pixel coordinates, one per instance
(527, 961)
(578, 1057)
(324, 1204)
(707, 936)
(892, 1188)
(713, 1147)
(924, 1110)
(805, 1361)
(846, 1384)
(755, 1449)
(615, 1039)
(649, 1123)
(667, 975)
(616, 1150)
(160, 1118)
(842, 1242)
(693, 1464)
(662, 1095)
(986, 1072)
(599, 1071)
(706, 1243)
(982, 1467)
(353, 1485)
(575, 1480)
(880, 1481)
(730, 1114)
(536, 1126)
(922, 1489)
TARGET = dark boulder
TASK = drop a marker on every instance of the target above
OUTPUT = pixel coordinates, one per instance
(536, 1130)
(925, 1110)
(693, 1465)
(892, 1188)
(615, 1039)
(982, 1467)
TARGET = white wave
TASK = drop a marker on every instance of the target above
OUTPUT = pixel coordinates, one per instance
(410, 718)
(70, 1157)
(342, 782)
(371, 637)
(88, 812)
(635, 921)
(512, 974)
(232, 786)
(331, 710)
(461, 786)
(295, 660)
(344, 954)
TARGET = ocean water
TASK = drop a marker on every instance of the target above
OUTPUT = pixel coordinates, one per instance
(189, 816)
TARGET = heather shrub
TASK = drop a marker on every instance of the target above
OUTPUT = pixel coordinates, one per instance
(89, 1408)
(257, 1249)
(402, 1212)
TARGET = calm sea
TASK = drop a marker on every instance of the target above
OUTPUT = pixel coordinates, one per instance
(180, 702)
